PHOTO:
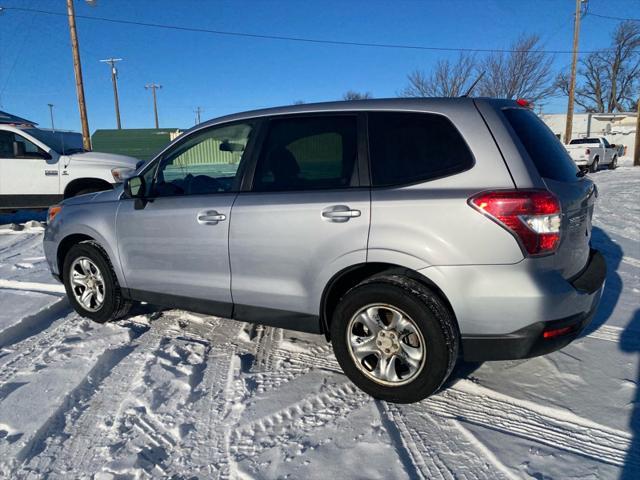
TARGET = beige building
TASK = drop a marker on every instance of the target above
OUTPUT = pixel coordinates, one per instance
(617, 128)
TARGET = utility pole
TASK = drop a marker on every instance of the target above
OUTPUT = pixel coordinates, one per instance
(636, 150)
(114, 80)
(153, 87)
(574, 63)
(77, 68)
(53, 127)
(198, 111)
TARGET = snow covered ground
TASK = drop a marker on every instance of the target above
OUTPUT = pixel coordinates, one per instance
(188, 396)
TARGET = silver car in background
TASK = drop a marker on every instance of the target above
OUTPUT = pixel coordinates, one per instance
(409, 232)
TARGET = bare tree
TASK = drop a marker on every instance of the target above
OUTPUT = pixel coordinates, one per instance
(608, 79)
(450, 78)
(523, 72)
(353, 95)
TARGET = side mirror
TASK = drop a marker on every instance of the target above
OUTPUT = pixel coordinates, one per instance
(135, 187)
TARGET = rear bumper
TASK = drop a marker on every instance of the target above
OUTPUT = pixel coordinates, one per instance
(545, 336)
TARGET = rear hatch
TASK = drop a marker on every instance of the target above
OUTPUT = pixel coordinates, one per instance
(577, 194)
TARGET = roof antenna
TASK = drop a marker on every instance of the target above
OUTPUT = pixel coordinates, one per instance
(473, 85)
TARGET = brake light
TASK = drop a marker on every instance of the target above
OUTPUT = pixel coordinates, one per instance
(587, 151)
(532, 216)
(524, 103)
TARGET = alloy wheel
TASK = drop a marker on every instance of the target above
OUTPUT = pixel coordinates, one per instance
(87, 284)
(386, 345)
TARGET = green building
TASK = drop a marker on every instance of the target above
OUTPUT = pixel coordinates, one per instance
(141, 143)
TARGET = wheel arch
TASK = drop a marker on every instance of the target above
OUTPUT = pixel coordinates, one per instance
(351, 276)
(65, 245)
(79, 184)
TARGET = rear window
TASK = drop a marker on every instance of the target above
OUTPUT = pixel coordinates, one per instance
(582, 141)
(548, 154)
(414, 147)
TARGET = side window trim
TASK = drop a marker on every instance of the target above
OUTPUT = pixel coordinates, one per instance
(260, 141)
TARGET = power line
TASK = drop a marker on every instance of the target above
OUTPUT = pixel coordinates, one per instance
(608, 17)
(290, 38)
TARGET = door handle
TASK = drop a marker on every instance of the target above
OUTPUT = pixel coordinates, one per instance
(210, 217)
(340, 213)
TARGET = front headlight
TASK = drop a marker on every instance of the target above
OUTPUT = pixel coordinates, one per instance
(120, 174)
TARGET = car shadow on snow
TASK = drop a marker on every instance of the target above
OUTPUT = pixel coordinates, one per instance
(613, 254)
(630, 343)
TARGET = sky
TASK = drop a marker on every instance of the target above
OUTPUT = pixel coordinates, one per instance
(223, 74)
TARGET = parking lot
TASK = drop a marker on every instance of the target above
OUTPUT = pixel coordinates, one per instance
(170, 393)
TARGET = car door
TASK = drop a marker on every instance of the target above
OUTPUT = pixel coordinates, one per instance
(29, 176)
(305, 218)
(608, 151)
(175, 249)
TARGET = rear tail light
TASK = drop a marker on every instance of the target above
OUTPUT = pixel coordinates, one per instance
(587, 151)
(532, 216)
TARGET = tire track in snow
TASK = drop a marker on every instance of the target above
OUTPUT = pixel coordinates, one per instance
(78, 448)
(301, 417)
(56, 288)
(608, 333)
(472, 403)
(98, 352)
(131, 432)
(434, 444)
(24, 354)
(33, 324)
(634, 262)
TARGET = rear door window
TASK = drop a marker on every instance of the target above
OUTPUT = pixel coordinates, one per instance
(407, 148)
(308, 154)
(547, 153)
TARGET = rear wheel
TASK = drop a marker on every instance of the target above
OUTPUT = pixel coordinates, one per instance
(594, 166)
(394, 338)
(91, 284)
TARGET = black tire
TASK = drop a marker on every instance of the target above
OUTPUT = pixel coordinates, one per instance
(595, 165)
(427, 312)
(114, 305)
(614, 163)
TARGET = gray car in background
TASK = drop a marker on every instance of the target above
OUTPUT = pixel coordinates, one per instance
(409, 232)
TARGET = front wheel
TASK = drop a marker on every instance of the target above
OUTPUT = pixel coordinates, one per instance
(614, 163)
(91, 284)
(394, 338)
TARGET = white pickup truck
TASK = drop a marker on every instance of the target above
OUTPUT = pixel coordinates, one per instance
(40, 167)
(592, 152)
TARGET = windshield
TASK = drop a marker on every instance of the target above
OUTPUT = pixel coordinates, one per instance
(64, 143)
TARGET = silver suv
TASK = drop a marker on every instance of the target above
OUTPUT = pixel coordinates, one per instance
(406, 231)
